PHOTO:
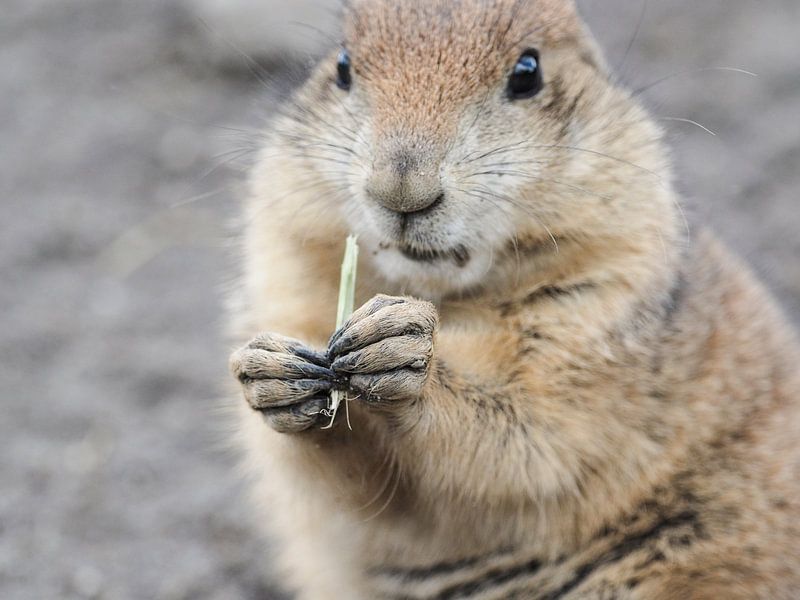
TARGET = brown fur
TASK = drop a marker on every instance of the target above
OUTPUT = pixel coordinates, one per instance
(560, 397)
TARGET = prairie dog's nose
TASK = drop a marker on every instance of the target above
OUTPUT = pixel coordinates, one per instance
(404, 185)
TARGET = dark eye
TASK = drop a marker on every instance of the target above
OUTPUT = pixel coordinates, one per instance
(526, 79)
(344, 79)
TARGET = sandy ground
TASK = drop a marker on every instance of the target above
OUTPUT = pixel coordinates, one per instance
(115, 480)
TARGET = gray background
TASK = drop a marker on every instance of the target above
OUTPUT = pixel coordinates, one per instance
(115, 253)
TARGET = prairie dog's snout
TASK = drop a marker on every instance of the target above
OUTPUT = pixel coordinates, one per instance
(405, 178)
(447, 121)
(442, 131)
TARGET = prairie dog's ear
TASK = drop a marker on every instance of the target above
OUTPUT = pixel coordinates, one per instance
(567, 23)
(561, 23)
(559, 18)
(590, 50)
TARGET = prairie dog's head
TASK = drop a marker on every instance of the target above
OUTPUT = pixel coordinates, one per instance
(451, 131)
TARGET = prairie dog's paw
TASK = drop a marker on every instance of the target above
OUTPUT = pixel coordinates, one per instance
(384, 351)
(284, 380)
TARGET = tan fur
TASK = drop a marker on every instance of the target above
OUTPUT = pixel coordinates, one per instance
(591, 405)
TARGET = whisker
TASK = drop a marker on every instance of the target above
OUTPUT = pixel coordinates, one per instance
(387, 461)
(505, 147)
(525, 145)
(315, 116)
(232, 157)
(389, 499)
(677, 204)
(515, 242)
(478, 115)
(512, 163)
(649, 86)
(309, 141)
(636, 32)
(252, 64)
(197, 198)
(523, 175)
(604, 155)
(318, 30)
(680, 120)
(486, 194)
(329, 159)
(318, 183)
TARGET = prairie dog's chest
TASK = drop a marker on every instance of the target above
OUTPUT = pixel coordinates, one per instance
(477, 338)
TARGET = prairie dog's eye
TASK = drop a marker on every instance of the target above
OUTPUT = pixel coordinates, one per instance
(526, 79)
(344, 79)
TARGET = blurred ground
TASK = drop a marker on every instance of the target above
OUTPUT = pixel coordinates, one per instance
(114, 476)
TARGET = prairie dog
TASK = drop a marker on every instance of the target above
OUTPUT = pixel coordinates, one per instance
(556, 392)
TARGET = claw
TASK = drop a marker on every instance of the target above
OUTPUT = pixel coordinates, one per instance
(317, 358)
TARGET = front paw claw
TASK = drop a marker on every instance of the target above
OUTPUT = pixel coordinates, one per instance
(383, 317)
(284, 380)
(387, 354)
(277, 393)
(402, 384)
(296, 418)
(385, 349)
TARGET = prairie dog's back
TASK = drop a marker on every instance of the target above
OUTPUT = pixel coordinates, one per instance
(553, 394)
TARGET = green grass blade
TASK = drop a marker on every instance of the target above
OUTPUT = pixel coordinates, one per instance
(347, 283)
(347, 298)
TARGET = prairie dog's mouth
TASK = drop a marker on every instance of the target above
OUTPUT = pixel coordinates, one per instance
(460, 255)
(429, 270)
